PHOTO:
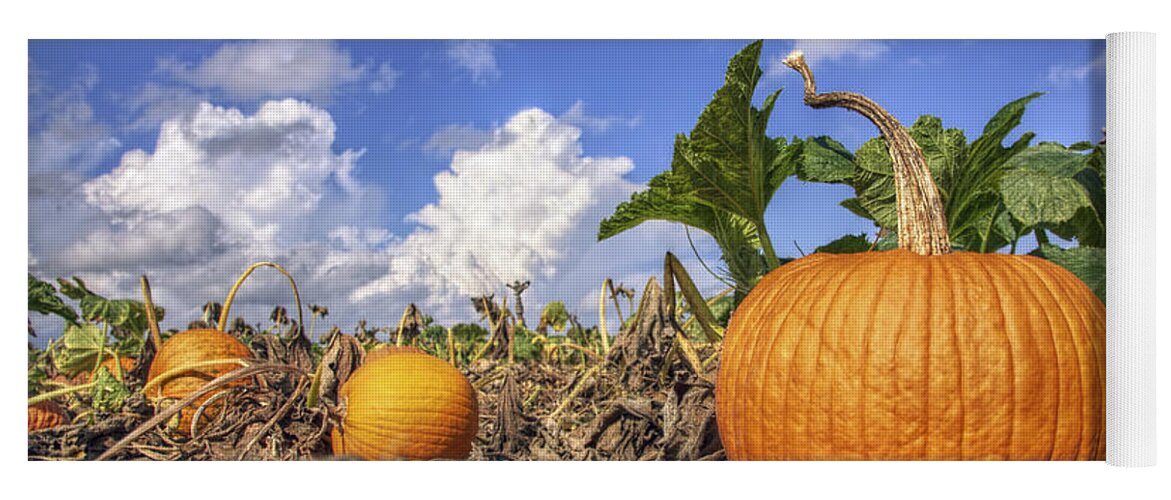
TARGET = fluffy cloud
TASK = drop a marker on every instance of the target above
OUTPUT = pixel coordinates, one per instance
(478, 58)
(261, 174)
(222, 189)
(219, 190)
(185, 237)
(249, 71)
(523, 206)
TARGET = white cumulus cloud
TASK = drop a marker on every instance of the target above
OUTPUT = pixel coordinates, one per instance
(222, 189)
(523, 206)
(249, 71)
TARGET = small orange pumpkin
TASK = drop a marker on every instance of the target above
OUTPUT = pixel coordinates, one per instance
(45, 415)
(184, 349)
(916, 353)
(404, 404)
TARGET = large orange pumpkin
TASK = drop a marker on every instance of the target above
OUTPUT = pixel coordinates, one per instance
(185, 349)
(916, 353)
(403, 404)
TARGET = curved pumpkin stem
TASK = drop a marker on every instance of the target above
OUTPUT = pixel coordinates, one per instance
(922, 221)
(224, 314)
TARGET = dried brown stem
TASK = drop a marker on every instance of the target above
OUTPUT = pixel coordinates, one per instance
(922, 221)
(172, 410)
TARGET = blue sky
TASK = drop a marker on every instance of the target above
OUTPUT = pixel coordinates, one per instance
(376, 127)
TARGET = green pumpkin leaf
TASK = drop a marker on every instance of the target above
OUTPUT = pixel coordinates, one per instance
(723, 174)
(1035, 198)
(1087, 263)
(988, 151)
(75, 289)
(851, 243)
(42, 298)
(823, 159)
(108, 393)
(81, 345)
(1049, 186)
(968, 177)
(874, 183)
(944, 149)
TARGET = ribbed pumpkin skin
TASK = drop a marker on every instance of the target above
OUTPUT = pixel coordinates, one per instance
(897, 356)
(406, 405)
(188, 347)
(45, 415)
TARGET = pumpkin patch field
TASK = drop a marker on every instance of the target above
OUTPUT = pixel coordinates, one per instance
(969, 324)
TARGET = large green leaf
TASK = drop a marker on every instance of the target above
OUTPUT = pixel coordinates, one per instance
(723, 174)
(823, 159)
(1087, 263)
(42, 298)
(1049, 186)
(987, 152)
(874, 183)
(944, 149)
(1035, 198)
(81, 345)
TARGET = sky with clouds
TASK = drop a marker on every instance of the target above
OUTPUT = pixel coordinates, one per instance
(387, 172)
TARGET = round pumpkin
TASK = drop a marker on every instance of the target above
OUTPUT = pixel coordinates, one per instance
(185, 349)
(45, 415)
(917, 353)
(403, 404)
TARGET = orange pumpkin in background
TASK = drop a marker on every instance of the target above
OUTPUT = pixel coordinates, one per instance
(45, 415)
(916, 353)
(402, 404)
(184, 349)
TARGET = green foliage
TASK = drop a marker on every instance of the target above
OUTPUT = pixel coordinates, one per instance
(1052, 187)
(968, 177)
(108, 393)
(80, 347)
(42, 298)
(723, 175)
(823, 159)
(525, 347)
(1087, 263)
(850, 243)
(992, 194)
(554, 316)
(37, 362)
